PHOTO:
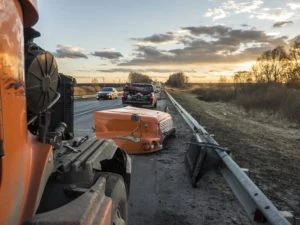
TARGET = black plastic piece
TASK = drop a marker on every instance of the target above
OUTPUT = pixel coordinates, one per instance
(1, 148)
(63, 110)
(41, 78)
(200, 158)
(55, 138)
(44, 121)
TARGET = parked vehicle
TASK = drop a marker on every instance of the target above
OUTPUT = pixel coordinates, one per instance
(46, 177)
(139, 94)
(157, 85)
(134, 129)
(107, 93)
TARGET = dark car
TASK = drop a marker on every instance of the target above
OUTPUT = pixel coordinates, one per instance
(107, 93)
(139, 94)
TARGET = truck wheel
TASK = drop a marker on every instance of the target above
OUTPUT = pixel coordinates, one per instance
(115, 189)
(155, 105)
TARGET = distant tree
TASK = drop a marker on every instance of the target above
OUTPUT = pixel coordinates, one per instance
(222, 79)
(135, 77)
(177, 80)
(272, 66)
(243, 77)
(95, 80)
(293, 76)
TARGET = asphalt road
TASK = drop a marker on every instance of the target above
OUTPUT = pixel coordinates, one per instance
(143, 199)
(83, 113)
(161, 192)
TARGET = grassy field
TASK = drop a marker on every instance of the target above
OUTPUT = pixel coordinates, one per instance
(271, 98)
(265, 144)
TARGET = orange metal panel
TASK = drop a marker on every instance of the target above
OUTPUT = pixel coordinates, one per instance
(16, 161)
(23, 163)
(142, 136)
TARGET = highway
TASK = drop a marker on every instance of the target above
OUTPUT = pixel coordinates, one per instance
(161, 191)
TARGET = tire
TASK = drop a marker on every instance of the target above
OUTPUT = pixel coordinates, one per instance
(116, 190)
(155, 105)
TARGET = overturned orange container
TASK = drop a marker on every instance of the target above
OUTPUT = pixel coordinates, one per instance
(134, 130)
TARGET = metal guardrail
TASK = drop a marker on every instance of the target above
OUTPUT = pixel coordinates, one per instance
(258, 207)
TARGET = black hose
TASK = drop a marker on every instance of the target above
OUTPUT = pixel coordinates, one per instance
(48, 107)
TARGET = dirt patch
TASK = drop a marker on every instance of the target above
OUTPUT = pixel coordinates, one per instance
(267, 146)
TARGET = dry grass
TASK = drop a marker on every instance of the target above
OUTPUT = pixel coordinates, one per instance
(273, 98)
(214, 92)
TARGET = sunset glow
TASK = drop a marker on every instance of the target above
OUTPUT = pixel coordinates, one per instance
(203, 39)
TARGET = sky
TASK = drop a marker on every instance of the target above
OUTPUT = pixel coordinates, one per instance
(204, 39)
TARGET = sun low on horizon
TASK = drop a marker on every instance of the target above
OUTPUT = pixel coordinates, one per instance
(106, 40)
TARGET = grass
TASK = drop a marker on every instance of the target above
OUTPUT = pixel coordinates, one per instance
(273, 98)
(214, 92)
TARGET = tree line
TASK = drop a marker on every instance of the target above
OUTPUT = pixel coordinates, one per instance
(174, 80)
(279, 65)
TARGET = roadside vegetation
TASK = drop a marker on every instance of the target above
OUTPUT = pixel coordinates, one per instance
(92, 88)
(178, 80)
(272, 85)
(135, 77)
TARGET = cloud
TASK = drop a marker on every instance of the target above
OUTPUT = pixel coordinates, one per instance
(108, 54)
(68, 51)
(216, 13)
(157, 39)
(151, 52)
(273, 14)
(210, 44)
(116, 70)
(153, 70)
(242, 7)
(295, 39)
(254, 9)
(229, 7)
(214, 31)
(282, 23)
(293, 6)
(228, 36)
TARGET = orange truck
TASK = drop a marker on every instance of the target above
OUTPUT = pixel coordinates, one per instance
(46, 176)
(135, 130)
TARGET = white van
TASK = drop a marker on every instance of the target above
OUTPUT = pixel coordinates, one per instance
(157, 88)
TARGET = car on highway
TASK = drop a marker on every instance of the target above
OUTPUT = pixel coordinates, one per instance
(134, 129)
(157, 85)
(157, 89)
(139, 94)
(107, 93)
